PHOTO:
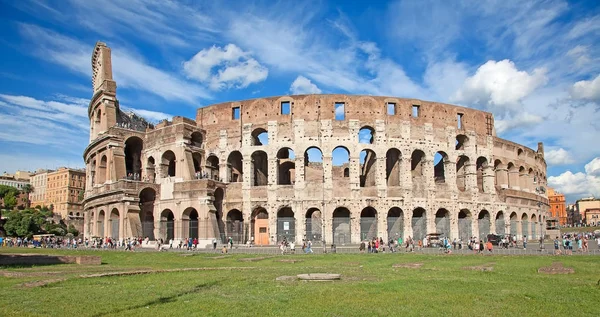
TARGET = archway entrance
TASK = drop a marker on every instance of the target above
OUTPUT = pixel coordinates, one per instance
(286, 225)
(368, 224)
(260, 226)
(218, 202)
(100, 224)
(513, 224)
(464, 225)
(190, 223)
(442, 222)
(147, 198)
(235, 226)
(133, 157)
(167, 225)
(534, 225)
(419, 224)
(114, 224)
(500, 224)
(524, 226)
(314, 225)
(395, 223)
(483, 223)
(341, 226)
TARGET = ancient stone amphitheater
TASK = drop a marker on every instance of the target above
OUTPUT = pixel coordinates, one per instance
(327, 168)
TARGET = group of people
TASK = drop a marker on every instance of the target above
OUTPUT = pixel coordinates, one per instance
(572, 241)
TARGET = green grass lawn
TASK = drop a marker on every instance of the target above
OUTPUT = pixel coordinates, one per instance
(369, 286)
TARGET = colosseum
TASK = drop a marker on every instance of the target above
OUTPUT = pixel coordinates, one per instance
(334, 169)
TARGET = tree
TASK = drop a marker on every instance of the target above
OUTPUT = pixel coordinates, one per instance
(72, 230)
(26, 222)
(10, 201)
(27, 189)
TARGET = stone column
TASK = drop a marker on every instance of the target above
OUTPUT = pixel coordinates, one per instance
(225, 171)
(405, 173)
(86, 224)
(502, 177)
(513, 179)
(450, 175)
(523, 181)
(519, 224)
(471, 177)
(488, 180)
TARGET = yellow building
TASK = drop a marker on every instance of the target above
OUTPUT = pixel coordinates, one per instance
(558, 206)
(62, 191)
(39, 181)
(592, 216)
(585, 204)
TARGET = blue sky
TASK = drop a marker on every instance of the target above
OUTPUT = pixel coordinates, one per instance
(534, 64)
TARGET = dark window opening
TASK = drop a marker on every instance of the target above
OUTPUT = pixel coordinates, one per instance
(415, 111)
(391, 108)
(235, 113)
(285, 107)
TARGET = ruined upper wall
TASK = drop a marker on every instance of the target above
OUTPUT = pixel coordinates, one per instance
(312, 108)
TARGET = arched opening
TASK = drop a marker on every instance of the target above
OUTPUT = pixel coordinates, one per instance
(461, 172)
(218, 202)
(260, 163)
(286, 225)
(147, 198)
(133, 157)
(419, 223)
(340, 161)
(395, 223)
(392, 167)
(236, 167)
(440, 161)
(197, 162)
(260, 226)
(167, 224)
(196, 139)
(98, 116)
(522, 178)
(114, 224)
(314, 225)
(102, 170)
(500, 174)
(513, 176)
(341, 226)
(500, 223)
(483, 223)
(520, 153)
(524, 226)
(235, 226)
(513, 224)
(416, 164)
(260, 136)
(212, 167)
(534, 225)
(93, 174)
(100, 224)
(461, 142)
(368, 169)
(190, 223)
(150, 170)
(286, 167)
(465, 231)
(313, 165)
(168, 164)
(366, 135)
(482, 165)
(442, 222)
(368, 224)
(530, 181)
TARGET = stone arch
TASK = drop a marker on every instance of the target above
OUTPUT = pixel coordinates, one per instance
(484, 224)
(100, 224)
(368, 168)
(534, 226)
(440, 161)
(500, 223)
(341, 226)
(366, 135)
(197, 162)
(501, 174)
(169, 162)
(150, 170)
(212, 167)
(419, 223)
(260, 164)
(235, 226)
(236, 167)
(286, 225)
(462, 172)
(442, 222)
(286, 166)
(190, 227)
(417, 159)
(147, 198)
(395, 223)
(260, 226)
(314, 224)
(167, 224)
(392, 167)
(102, 170)
(115, 223)
(313, 164)
(260, 136)
(465, 221)
(368, 223)
(461, 142)
(196, 139)
(133, 156)
(514, 222)
(524, 225)
(513, 175)
(481, 166)
(219, 195)
(340, 161)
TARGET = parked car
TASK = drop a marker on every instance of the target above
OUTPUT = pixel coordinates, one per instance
(494, 238)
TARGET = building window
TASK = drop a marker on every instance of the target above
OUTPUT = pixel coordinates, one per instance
(459, 119)
(340, 111)
(235, 113)
(391, 108)
(415, 111)
(285, 107)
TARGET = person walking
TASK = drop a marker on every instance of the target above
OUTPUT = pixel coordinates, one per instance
(214, 242)
(524, 242)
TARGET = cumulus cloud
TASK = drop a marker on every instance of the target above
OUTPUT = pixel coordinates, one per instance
(587, 89)
(303, 85)
(234, 68)
(523, 120)
(579, 184)
(558, 157)
(499, 85)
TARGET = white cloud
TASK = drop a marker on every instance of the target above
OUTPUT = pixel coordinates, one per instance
(587, 89)
(303, 85)
(128, 70)
(499, 84)
(579, 184)
(580, 55)
(520, 121)
(234, 68)
(558, 157)
(152, 116)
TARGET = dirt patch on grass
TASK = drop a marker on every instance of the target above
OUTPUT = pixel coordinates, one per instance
(41, 283)
(255, 259)
(482, 268)
(125, 273)
(218, 257)
(416, 265)
(286, 278)
(290, 261)
(556, 268)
